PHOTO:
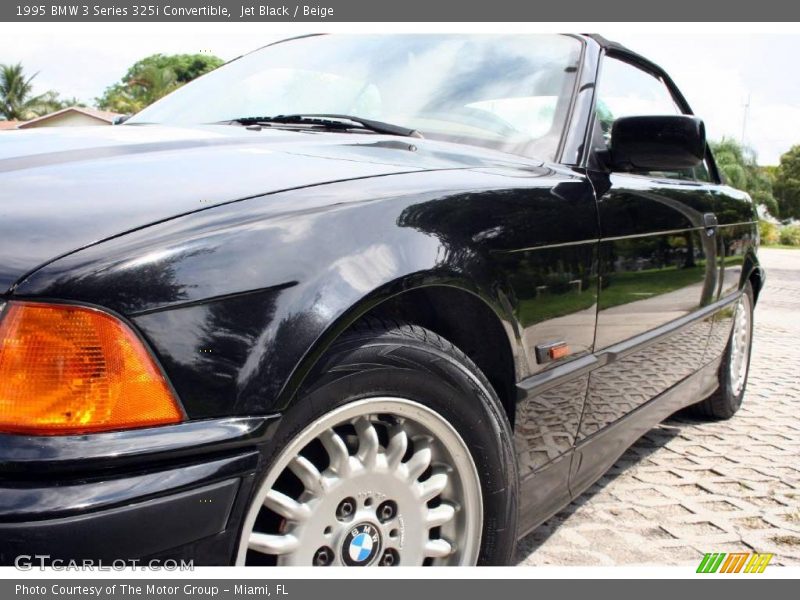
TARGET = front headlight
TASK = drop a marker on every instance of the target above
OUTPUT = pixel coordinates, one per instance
(68, 369)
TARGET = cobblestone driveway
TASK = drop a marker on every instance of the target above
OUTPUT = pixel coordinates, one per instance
(689, 487)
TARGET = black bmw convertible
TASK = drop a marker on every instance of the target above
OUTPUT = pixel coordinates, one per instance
(369, 300)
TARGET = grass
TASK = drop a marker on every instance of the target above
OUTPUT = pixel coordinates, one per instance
(640, 285)
(622, 288)
(780, 246)
(550, 306)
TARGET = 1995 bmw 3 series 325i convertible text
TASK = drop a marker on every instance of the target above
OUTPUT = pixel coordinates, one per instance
(369, 300)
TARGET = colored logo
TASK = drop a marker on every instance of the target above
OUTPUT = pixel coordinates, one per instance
(361, 545)
(734, 562)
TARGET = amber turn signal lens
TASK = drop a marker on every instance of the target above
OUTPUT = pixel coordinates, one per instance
(71, 369)
(559, 351)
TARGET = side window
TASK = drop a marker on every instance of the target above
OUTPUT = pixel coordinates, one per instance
(625, 90)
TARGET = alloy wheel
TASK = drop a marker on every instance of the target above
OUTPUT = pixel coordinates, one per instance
(382, 481)
(740, 344)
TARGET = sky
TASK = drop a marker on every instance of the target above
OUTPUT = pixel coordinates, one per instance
(744, 85)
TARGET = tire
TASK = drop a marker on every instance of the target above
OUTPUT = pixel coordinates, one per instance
(393, 377)
(727, 400)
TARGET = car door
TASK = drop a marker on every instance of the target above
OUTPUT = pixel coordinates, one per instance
(737, 234)
(657, 258)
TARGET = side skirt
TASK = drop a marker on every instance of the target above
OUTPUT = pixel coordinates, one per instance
(544, 494)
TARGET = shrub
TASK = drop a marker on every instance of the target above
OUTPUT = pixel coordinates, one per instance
(790, 235)
(769, 232)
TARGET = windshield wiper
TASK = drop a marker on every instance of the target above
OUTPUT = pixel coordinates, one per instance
(333, 121)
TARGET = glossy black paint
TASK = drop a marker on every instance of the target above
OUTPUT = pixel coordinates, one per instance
(32, 502)
(230, 350)
(179, 491)
(595, 455)
(657, 264)
(132, 530)
(663, 143)
(119, 179)
(240, 255)
(127, 450)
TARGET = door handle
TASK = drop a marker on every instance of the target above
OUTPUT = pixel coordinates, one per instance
(710, 223)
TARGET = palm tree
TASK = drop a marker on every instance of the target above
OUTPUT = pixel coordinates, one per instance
(155, 83)
(147, 85)
(16, 100)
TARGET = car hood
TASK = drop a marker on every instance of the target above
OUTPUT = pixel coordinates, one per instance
(62, 189)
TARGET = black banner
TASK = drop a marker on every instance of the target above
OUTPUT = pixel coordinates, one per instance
(385, 589)
(399, 11)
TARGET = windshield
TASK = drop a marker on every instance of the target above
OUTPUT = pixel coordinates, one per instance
(509, 93)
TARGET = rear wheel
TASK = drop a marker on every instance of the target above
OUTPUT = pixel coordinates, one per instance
(727, 400)
(396, 453)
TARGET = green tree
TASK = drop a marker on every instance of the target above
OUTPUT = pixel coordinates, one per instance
(787, 183)
(740, 168)
(58, 102)
(153, 77)
(790, 235)
(185, 66)
(17, 102)
(51, 102)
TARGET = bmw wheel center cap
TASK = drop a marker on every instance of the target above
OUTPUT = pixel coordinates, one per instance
(361, 545)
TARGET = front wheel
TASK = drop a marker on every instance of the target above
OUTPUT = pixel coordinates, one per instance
(398, 453)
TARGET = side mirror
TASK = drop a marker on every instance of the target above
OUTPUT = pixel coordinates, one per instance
(662, 143)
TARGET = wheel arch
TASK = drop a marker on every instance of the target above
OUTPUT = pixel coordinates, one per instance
(756, 279)
(441, 306)
(754, 273)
